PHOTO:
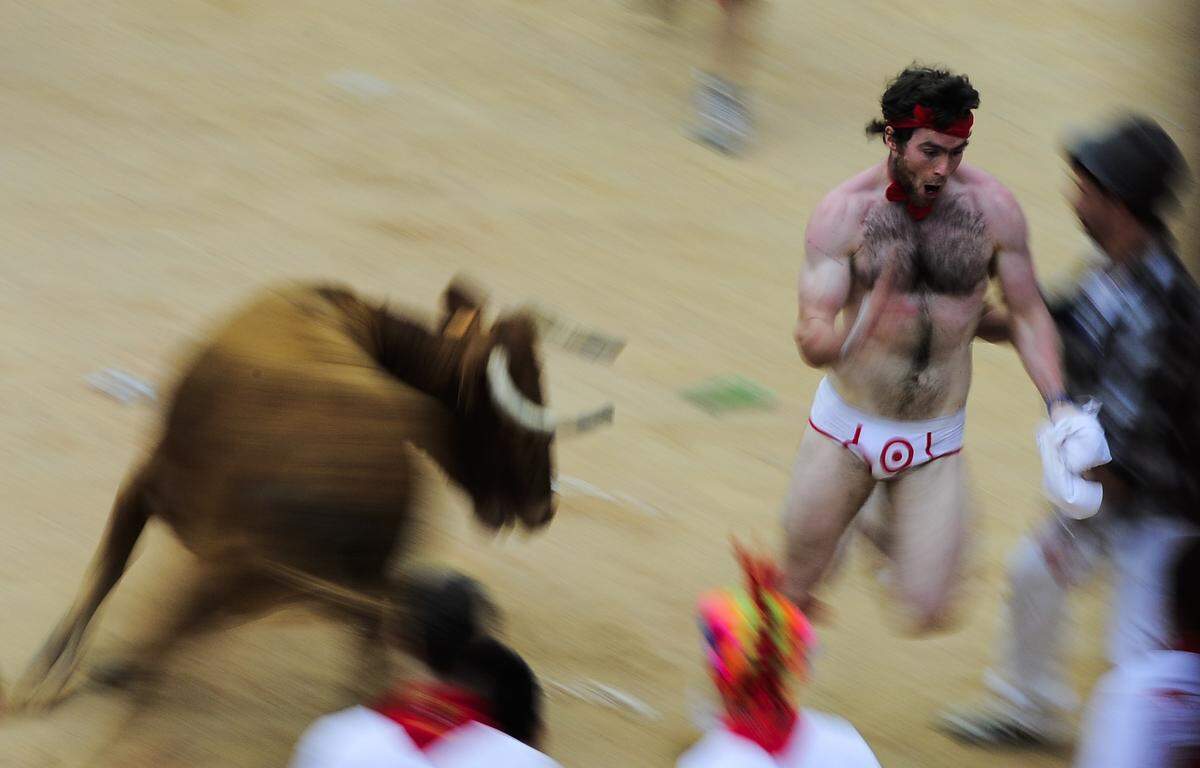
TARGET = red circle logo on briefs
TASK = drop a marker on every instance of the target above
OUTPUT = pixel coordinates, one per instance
(896, 455)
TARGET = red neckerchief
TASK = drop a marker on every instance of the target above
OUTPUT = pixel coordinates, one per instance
(897, 194)
(429, 711)
(769, 724)
(923, 117)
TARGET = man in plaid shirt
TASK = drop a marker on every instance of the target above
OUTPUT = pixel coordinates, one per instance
(1131, 340)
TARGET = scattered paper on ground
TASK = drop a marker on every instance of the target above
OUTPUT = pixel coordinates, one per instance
(729, 393)
(121, 386)
(604, 695)
(565, 485)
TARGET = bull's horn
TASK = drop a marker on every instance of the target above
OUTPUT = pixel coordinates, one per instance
(530, 415)
(509, 399)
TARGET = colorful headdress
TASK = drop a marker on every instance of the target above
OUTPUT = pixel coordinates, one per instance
(755, 638)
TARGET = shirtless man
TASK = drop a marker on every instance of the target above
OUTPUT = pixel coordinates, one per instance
(905, 250)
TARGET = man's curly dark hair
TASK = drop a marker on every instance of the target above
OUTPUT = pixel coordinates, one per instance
(446, 619)
(499, 674)
(950, 96)
(441, 612)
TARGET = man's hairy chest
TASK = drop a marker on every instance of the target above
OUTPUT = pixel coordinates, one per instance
(948, 253)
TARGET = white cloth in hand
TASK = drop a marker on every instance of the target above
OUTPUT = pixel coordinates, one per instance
(1070, 446)
(1081, 438)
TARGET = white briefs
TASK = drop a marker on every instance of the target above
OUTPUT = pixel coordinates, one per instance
(887, 447)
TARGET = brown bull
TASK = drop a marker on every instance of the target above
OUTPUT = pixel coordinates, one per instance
(290, 447)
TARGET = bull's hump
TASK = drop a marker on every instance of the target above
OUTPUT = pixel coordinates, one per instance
(292, 328)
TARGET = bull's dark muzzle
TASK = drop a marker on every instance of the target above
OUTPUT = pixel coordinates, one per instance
(539, 514)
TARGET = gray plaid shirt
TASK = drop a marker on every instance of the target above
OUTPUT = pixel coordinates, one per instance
(1131, 339)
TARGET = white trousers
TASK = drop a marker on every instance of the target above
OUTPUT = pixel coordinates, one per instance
(1046, 565)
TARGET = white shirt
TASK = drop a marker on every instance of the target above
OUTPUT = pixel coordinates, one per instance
(356, 738)
(477, 746)
(362, 738)
(819, 741)
(1145, 713)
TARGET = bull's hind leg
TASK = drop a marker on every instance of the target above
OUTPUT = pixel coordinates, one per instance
(50, 670)
(224, 595)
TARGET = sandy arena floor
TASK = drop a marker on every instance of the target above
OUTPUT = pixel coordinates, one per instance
(163, 160)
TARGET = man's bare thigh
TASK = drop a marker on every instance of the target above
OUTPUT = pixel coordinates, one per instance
(931, 519)
(828, 478)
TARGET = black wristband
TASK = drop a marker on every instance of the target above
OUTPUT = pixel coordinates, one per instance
(1061, 397)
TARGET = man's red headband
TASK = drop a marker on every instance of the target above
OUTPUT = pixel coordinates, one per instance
(922, 117)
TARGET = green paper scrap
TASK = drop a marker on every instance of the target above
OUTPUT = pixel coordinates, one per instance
(729, 393)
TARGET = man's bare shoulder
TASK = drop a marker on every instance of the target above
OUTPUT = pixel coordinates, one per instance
(862, 188)
(986, 190)
(836, 222)
(995, 201)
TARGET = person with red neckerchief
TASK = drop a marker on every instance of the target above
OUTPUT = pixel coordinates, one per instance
(903, 253)
(482, 710)
(756, 643)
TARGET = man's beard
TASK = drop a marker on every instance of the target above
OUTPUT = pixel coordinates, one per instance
(904, 177)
